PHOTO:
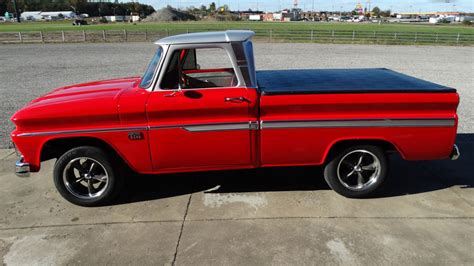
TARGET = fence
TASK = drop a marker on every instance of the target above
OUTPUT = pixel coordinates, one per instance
(320, 36)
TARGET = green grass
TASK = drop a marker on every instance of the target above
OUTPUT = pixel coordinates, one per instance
(66, 26)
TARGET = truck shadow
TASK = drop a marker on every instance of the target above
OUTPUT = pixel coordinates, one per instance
(406, 178)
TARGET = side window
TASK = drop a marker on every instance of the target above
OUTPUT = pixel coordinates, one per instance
(199, 68)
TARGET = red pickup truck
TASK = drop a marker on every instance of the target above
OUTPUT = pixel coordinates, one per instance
(201, 105)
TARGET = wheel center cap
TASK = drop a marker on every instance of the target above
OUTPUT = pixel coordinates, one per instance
(357, 168)
(87, 176)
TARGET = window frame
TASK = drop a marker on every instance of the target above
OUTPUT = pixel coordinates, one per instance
(156, 74)
(151, 83)
(225, 46)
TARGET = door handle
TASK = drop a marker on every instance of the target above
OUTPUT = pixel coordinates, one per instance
(236, 99)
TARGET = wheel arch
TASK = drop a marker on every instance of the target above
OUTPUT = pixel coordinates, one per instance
(339, 145)
(56, 147)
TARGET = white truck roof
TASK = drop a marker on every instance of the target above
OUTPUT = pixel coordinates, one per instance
(208, 37)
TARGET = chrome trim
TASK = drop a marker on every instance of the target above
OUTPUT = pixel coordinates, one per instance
(102, 130)
(254, 125)
(192, 128)
(226, 46)
(22, 168)
(85, 183)
(455, 153)
(217, 127)
(356, 170)
(359, 123)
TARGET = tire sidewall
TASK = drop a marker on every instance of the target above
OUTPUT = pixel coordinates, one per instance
(331, 177)
(96, 154)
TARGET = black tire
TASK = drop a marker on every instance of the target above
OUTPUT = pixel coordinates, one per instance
(78, 168)
(342, 174)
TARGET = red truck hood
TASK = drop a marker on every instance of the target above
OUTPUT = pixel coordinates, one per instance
(91, 90)
(87, 104)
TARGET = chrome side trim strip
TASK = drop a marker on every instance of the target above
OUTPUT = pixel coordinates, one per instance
(218, 127)
(213, 127)
(255, 125)
(61, 132)
(191, 128)
(359, 123)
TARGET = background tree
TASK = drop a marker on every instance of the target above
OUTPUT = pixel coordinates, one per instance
(376, 11)
(212, 7)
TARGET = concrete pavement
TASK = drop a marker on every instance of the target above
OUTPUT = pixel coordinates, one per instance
(425, 215)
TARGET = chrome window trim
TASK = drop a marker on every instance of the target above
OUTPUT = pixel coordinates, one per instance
(151, 85)
(158, 68)
(358, 123)
(227, 48)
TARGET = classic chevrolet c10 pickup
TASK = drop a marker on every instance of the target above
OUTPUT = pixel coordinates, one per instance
(201, 106)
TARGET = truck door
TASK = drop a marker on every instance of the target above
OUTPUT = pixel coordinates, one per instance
(199, 114)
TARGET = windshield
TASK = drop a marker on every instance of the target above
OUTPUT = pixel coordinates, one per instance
(147, 78)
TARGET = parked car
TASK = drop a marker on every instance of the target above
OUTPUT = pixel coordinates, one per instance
(3, 19)
(202, 106)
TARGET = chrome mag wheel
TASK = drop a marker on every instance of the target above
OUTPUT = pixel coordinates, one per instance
(358, 170)
(85, 178)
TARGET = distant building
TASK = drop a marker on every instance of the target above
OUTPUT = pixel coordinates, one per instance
(47, 15)
(255, 17)
(277, 17)
(31, 15)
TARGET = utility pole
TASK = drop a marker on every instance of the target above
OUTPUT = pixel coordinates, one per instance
(16, 11)
(370, 14)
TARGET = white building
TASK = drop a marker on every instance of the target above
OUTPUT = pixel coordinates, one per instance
(48, 15)
(255, 17)
(31, 15)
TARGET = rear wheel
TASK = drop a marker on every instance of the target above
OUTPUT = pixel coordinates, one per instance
(85, 176)
(357, 171)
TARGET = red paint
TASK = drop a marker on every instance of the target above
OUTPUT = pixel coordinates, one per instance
(121, 103)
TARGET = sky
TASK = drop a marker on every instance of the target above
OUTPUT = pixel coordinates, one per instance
(344, 5)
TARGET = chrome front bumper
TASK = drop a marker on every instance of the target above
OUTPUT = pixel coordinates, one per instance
(455, 153)
(22, 168)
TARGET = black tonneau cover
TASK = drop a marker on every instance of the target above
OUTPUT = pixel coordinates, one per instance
(310, 81)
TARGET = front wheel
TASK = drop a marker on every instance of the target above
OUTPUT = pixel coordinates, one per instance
(357, 171)
(84, 176)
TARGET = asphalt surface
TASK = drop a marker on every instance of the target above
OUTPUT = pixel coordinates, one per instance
(275, 216)
(28, 71)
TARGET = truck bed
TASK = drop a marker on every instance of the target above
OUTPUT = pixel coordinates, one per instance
(314, 81)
